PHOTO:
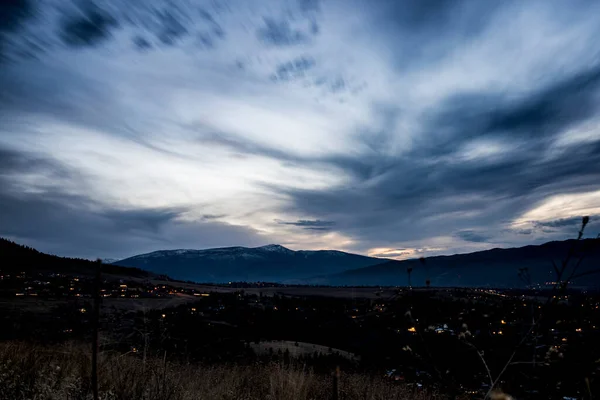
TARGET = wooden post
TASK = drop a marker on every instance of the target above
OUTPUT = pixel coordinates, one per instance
(336, 384)
(96, 328)
(164, 377)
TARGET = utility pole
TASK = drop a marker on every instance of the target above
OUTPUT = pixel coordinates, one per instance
(96, 328)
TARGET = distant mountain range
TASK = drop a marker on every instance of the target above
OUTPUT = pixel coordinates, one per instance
(495, 267)
(273, 263)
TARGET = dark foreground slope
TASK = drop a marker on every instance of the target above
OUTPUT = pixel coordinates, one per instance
(62, 372)
(495, 267)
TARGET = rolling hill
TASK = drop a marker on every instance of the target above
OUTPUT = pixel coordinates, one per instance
(15, 257)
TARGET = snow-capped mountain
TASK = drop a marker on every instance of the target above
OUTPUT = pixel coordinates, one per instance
(272, 262)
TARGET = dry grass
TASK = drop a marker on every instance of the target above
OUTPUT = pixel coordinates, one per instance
(62, 372)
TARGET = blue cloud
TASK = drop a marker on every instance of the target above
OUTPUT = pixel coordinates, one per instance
(473, 236)
(294, 69)
(280, 33)
(90, 29)
(314, 225)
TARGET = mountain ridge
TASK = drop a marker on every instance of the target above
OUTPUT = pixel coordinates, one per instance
(493, 267)
(271, 262)
(268, 247)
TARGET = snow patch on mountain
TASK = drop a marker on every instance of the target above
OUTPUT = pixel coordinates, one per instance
(275, 248)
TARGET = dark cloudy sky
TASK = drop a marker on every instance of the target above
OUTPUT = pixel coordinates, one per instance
(395, 128)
